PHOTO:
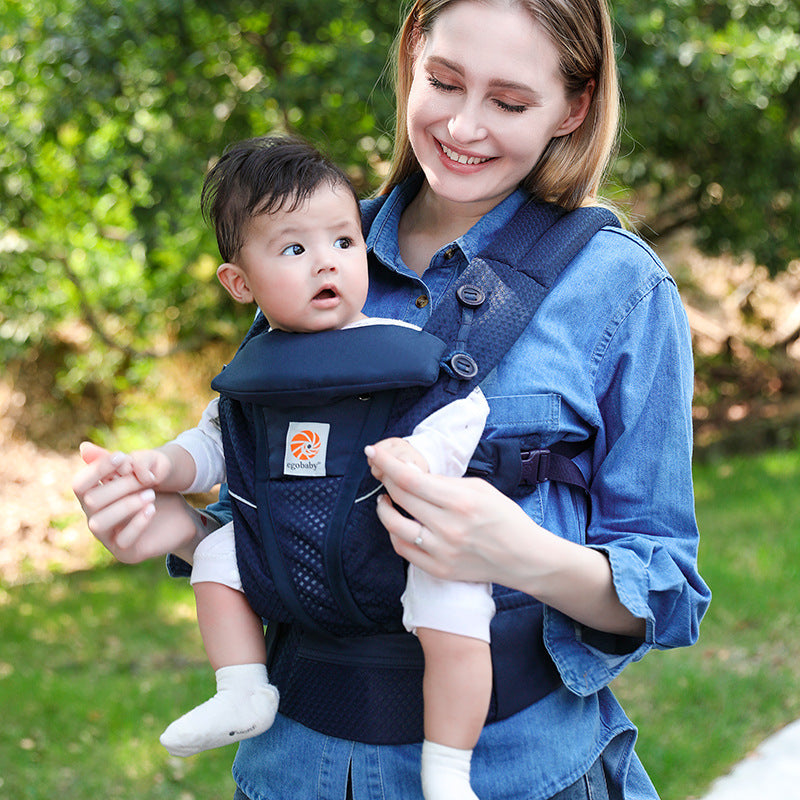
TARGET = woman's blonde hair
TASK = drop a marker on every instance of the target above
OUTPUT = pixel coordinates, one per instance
(572, 167)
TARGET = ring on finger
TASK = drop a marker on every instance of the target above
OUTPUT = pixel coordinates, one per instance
(418, 541)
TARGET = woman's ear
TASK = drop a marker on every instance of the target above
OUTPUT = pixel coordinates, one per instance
(578, 109)
(235, 282)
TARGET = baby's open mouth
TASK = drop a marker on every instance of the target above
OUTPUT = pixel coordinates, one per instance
(325, 294)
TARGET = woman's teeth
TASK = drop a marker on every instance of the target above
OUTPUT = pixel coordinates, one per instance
(460, 158)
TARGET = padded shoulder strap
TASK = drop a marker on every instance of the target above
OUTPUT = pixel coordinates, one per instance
(489, 307)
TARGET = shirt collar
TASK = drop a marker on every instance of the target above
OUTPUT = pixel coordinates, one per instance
(484, 230)
(382, 237)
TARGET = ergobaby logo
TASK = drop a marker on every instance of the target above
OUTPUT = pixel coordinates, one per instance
(305, 445)
(306, 449)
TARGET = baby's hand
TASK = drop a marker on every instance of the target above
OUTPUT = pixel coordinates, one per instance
(399, 449)
(150, 467)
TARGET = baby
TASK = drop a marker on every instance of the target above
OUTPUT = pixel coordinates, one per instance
(289, 231)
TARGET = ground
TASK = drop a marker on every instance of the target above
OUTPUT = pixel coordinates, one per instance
(41, 528)
(744, 328)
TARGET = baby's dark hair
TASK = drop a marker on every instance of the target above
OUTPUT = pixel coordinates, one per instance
(260, 176)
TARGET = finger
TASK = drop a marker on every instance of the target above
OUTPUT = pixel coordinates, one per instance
(125, 466)
(104, 467)
(129, 535)
(91, 452)
(105, 523)
(405, 477)
(143, 474)
(397, 523)
(391, 445)
(113, 489)
(431, 505)
(419, 558)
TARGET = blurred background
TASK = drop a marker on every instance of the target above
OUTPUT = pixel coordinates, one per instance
(112, 324)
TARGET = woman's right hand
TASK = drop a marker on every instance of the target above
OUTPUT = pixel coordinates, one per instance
(133, 523)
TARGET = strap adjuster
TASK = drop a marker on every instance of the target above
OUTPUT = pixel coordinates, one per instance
(464, 366)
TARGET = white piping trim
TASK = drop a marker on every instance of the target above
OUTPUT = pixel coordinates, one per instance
(242, 500)
(369, 494)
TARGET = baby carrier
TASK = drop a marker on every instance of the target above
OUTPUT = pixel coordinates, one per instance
(314, 559)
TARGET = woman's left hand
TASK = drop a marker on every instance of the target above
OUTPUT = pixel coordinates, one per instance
(462, 528)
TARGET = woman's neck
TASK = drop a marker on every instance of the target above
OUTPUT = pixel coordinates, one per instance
(429, 222)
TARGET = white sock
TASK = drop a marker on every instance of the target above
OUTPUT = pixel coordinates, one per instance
(445, 773)
(244, 706)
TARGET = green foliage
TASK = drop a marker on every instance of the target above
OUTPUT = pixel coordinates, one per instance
(110, 113)
(93, 666)
(712, 99)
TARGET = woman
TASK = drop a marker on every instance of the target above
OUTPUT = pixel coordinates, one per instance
(498, 101)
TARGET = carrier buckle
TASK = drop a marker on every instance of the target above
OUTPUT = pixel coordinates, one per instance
(535, 466)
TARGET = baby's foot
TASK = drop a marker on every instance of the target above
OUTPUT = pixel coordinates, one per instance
(445, 773)
(244, 706)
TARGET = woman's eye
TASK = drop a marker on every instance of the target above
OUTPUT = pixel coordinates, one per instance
(343, 242)
(514, 109)
(293, 250)
(443, 87)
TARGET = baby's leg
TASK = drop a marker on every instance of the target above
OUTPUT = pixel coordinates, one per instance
(232, 632)
(452, 621)
(456, 688)
(245, 703)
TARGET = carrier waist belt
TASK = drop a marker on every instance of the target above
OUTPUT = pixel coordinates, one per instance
(369, 688)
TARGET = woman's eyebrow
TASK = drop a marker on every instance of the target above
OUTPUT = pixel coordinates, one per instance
(495, 83)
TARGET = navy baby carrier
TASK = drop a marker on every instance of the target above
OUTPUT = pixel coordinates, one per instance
(315, 561)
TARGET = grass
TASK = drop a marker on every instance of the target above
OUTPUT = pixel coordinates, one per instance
(93, 665)
(700, 710)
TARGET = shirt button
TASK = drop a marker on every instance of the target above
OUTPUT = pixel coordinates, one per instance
(421, 301)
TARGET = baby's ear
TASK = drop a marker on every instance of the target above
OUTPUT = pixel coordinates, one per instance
(235, 282)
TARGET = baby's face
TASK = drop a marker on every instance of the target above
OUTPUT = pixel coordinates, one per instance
(307, 268)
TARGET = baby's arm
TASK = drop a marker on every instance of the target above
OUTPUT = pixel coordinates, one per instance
(402, 450)
(443, 443)
(193, 462)
(448, 437)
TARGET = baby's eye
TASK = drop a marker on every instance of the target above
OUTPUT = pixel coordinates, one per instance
(293, 250)
(343, 242)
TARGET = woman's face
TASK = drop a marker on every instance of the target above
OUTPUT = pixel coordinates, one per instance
(486, 98)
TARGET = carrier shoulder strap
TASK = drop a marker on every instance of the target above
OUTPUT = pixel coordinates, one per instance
(488, 308)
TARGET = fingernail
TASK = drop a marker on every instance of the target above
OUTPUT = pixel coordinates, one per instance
(369, 451)
(147, 496)
(117, 459)
(149, 511)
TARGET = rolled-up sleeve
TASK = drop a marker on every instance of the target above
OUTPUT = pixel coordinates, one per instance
(641, 498)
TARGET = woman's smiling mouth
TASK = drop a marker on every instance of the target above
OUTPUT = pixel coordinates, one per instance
(461, 158)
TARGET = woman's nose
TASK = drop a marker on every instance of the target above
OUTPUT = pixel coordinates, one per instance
(466, 125)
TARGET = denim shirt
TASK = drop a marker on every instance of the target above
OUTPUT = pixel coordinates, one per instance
(606, 358)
